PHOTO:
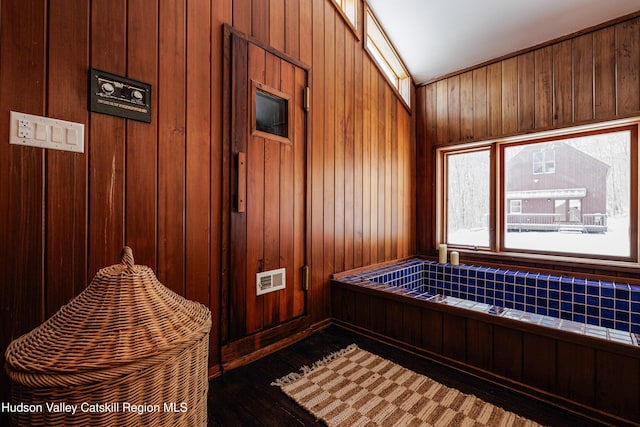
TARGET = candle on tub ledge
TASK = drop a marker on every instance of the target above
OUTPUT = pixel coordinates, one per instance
(455, 258)
(442, 252)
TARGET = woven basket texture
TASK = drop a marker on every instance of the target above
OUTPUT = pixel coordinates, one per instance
(125, 340)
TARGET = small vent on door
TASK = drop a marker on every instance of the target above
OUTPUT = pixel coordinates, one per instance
(270, 281)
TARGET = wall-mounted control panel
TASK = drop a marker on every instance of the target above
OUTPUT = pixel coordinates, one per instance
(119, 96)
(45, 132)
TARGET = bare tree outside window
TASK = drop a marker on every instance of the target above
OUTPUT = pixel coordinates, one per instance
(468, 192)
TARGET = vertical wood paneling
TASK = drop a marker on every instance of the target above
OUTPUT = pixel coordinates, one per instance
(305, 39)
(479, 102)
(260, 225)
(393, 210)
(383, 196)
(317, 163)
(562, 84)
(171, 145)
(611, 395)
(366, 161)
(349, 153)
(387, 124)
(107, 135)
(260, 20)
(509, 96)
(604, 47)
(374, 136)
(507, 352)
(141, 156)
(583, 78)
(494, 99)
(543, 88)
(628, 66)
(453, 107)
(242, 11)
(358, 186)
(479, 344)
(466, 106)
(526, 91)
(442, 111)
(66, 263)
(576, 373)
(22, 29)
(329, 134)
(157, 186)
(339, 150)
(539, 354)
(221, 12)
(277, 24)
(292, 33)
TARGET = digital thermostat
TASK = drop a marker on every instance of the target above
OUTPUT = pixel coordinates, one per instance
(119, 96)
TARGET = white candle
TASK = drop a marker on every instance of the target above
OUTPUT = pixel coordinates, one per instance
(442, 258)
(455, 258)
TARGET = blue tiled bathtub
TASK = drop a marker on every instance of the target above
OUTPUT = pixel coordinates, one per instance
(597, 308)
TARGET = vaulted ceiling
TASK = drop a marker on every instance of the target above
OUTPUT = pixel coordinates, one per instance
(438, 37)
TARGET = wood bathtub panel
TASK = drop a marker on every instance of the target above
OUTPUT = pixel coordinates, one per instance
(539, 361)
(507, 352)
(454, 337)
(479, 344)
(576, 372)
(612, 394)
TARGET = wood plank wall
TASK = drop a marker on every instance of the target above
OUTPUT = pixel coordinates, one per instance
(591, 77)
(157, 187)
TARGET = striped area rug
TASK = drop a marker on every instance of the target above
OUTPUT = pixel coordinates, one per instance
(353, 387)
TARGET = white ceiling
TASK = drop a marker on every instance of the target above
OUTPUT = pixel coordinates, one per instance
(437, 37)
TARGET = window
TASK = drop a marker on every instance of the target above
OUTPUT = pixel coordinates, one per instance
(468, 197)
(573, 194)
(544, 161)
(385, 56)
(271, 114)
(349, 9)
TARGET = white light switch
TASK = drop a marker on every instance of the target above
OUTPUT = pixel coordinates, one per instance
(45, 132)
(41, 132)
(56, 134)
(72, 136)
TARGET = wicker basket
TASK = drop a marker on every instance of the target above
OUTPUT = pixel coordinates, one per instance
(127, 351)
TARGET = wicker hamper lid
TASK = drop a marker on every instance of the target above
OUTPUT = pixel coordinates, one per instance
(122, 322)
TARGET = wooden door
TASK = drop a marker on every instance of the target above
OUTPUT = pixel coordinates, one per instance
(268, 141)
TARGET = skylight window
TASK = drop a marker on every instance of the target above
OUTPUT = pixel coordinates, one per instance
(386, 57)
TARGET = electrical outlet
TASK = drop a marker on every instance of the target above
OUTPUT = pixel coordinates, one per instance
(25, 129)
(25, 132)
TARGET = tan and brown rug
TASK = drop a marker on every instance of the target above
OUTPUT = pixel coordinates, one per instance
(353, 387)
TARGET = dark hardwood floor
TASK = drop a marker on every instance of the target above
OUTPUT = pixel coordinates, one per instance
(244, 396)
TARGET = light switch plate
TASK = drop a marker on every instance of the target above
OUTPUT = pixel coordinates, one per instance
(45, 132)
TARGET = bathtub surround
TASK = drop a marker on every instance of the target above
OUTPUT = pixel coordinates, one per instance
(590, 369)
(597, 308)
